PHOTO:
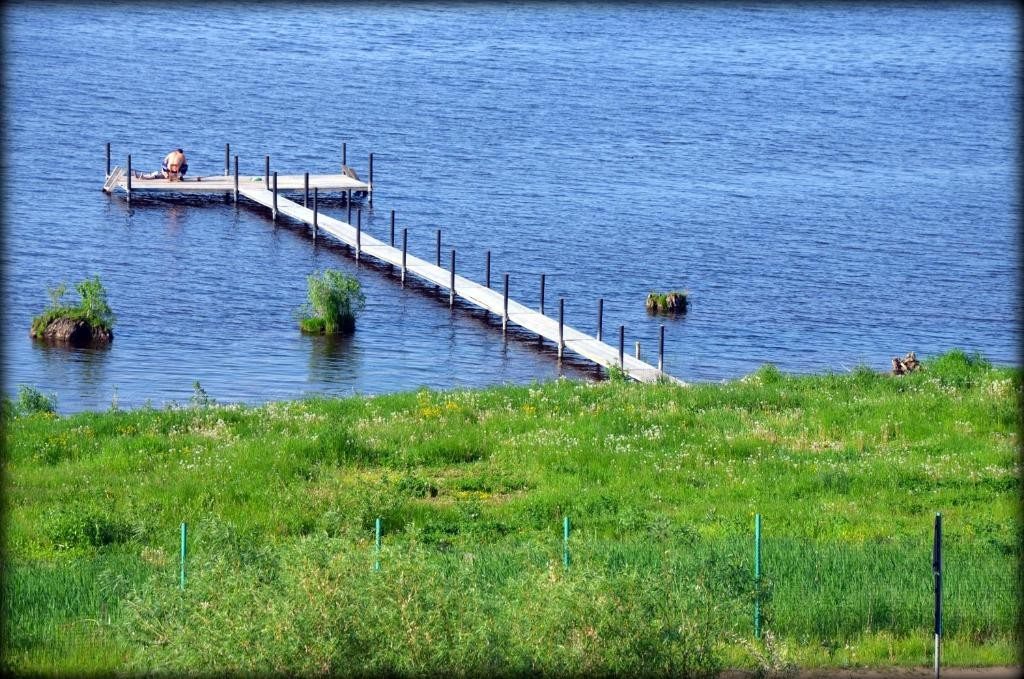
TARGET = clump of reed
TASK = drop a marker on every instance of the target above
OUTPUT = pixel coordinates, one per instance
(673, 302)
(334, 300)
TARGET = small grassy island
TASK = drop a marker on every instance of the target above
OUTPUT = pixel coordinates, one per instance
(673, 302)
(334, 300)
(660, 485)
(91, 321)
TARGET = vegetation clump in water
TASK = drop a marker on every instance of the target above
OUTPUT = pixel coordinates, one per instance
(90, 321)
(667, 302)
(335, 298)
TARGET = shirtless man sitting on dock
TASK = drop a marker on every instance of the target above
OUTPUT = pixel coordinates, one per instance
(174, 168)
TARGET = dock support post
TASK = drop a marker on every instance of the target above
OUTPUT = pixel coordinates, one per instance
(451, 291)
(542, 276)
(370, 192)
(275, 196)
(622, 346)
(637, 350)
(348, 214)
(316, 210)
(392, 228)
(108, 159)
(488, 269)
(236, 179)
(359, 233)
(438, 255)
(305, 190)
(266, 171)
(129, 178)
(504, 315)
(600, 318)
(405, 248)
(661, 349)
(344, 156)
(561, 326)
(348, 198)
(227, 159)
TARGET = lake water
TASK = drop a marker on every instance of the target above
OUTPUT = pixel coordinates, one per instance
(834, 185)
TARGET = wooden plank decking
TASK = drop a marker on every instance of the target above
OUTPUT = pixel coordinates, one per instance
(117, 180)
(253, 188)
(469, 291)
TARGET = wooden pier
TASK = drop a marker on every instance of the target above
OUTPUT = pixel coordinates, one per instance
(259, 190)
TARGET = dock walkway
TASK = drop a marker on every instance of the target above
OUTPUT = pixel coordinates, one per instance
(366, 246)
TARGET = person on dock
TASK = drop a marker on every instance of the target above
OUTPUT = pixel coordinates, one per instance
(174, 167)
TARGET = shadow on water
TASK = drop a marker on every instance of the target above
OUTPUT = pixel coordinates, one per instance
(83, 369)
(333, 359)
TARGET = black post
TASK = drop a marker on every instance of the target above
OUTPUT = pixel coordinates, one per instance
(129, 177)
(370, 192)
(504, 316)
(542, 276)
(661, 349)
(305, 190)
(937, 573)
(316, 210)
(438, 257)
(561, 322)
(108, 158)
(266, 171)
(405, 248)
(488, 269)
(392, 228)
(600, 318)
(344, 156)
(348, 218)
(227, 159)
(236, 179)
(275, 196)
(348, 196)
(451, 291)
(359, 232)
(622, 346)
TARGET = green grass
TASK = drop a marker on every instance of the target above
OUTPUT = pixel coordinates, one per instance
(92, 307)
(661, 484)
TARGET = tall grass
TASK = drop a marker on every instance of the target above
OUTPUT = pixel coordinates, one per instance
(334, 301)
(660, 482)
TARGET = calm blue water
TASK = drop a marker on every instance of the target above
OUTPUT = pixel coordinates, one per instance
(834, 185)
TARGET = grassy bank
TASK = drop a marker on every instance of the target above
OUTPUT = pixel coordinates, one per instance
(661, 485)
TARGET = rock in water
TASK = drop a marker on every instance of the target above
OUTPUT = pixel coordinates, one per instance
(75, 332)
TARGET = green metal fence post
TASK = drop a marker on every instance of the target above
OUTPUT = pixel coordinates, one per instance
(184, 539)
(565, 542)
(376, 565)
(757, 576)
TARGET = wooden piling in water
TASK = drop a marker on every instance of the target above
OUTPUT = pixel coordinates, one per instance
(451, 284)
(359, 233)
(637, 350)
(405, 250)
(504, 315)
(236, 179)
(488, 269)
(108, 159)
(316, 210)
(266, 171)
(622, 346)
(275, 197)
(129, 186)
(661, 349)
(344, 156)
(561, 326)
(437, 257)
(305, 190)
(600, 318)
(542, 276)
(370, 181)
(392, 228)
(227, 159)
